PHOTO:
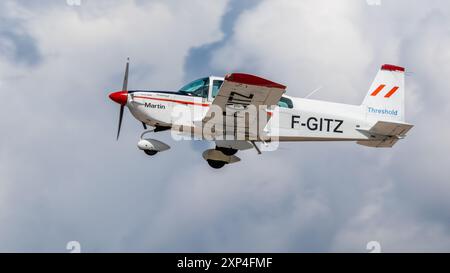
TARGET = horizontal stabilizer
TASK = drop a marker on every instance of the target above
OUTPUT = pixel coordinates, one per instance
(385, 134)
(388, 142)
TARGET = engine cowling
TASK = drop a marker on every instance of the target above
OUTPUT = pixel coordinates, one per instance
(149, 144)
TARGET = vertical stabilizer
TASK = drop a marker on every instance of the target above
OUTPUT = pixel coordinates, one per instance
(386, 97)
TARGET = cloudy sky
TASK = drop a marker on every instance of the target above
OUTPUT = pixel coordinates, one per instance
(63, 177)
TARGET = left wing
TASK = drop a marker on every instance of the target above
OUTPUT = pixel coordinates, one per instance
(239, 92)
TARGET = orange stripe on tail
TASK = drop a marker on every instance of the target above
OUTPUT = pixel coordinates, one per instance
(378, 90)
(390, 93)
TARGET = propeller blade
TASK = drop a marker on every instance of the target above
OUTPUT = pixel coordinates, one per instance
(145, 125)
(125, 79)
(124, 88)
(120, 121)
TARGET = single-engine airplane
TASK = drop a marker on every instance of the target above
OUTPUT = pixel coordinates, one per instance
(218, 109)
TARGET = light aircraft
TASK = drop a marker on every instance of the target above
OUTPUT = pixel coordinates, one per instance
(218, 109)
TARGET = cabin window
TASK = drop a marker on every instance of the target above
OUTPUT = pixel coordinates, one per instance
(216, 86)
(285, 103)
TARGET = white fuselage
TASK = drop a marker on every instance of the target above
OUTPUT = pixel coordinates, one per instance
(306, 120)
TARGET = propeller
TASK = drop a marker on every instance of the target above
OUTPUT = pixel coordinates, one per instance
(121, 97)
(120, 121)
(124, 89)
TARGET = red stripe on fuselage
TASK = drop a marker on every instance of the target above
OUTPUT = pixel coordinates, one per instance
(176, 101)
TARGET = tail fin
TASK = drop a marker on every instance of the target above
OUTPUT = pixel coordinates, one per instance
(386, 97)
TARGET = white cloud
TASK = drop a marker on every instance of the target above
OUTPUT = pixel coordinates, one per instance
(296, 42)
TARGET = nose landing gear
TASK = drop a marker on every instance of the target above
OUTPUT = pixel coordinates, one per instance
(151, 146)
(150, 152)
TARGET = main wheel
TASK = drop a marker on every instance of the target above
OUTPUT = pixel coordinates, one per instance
(150, 152)
(227, 151)
(216, 164)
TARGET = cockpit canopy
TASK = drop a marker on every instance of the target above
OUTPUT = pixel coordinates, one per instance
(200, 87)
(197, 88)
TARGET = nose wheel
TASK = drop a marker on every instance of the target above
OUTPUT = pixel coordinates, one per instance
(151, 146)
(150, 152)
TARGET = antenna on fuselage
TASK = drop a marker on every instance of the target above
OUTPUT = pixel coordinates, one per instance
(313, 92)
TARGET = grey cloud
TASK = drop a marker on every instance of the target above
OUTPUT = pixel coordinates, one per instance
(16, 43)
(19, 48)
(62, 173)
